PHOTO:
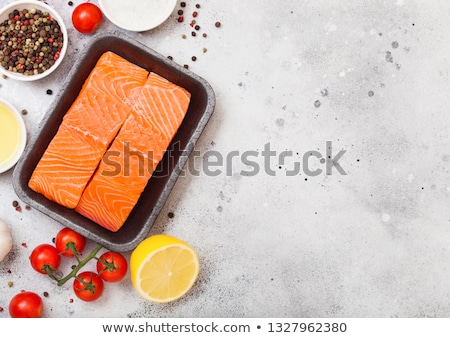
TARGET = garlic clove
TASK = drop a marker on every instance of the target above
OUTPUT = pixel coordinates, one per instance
(5, 240)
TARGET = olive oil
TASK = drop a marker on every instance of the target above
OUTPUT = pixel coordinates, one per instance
(10, 135)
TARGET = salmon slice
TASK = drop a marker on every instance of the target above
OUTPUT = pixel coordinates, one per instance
(69, 152)
(87, 130)
(159, 109)
(115, 76)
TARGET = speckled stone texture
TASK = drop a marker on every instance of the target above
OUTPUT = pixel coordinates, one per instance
(372, 78)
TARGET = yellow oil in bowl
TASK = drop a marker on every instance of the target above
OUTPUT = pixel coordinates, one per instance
(12, 136)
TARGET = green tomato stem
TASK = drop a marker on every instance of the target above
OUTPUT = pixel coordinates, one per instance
(49, 271)
(81, 263)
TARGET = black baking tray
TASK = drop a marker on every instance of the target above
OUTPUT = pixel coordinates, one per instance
(148, 207)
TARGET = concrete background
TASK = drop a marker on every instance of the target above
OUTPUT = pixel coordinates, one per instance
(372, 77)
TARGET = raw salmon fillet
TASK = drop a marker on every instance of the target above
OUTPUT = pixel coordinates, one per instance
(87, 130)
(159, 109)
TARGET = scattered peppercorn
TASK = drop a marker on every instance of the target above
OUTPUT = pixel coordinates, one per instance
(204, 50)
(194, 58)
(218, 24)
(197, 27)
(70, 3)
(24, 245)
(18, 209)
(24, 112)
(71, 300)
(1, 309)
(171, 215)
(49, 92)
(180, 12)
(4, 76)
(186, 66)
(180, 19)
(45, 294)
(10, 284)
(15, 204)
(184, 36)
(195, 14)
(197, 5)
(27, 207)
(193, 33)
(183, 4)
(170, 58)
(204, 35)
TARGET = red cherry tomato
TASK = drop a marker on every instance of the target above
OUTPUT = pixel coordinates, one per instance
(86, 18)
(112, 267)
(88, 286)
(45, 257)
(26, 305)
(67, 241)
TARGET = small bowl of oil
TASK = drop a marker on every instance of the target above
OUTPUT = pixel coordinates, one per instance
(13, 136)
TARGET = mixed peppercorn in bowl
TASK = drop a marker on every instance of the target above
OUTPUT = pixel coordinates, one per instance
(33, 40)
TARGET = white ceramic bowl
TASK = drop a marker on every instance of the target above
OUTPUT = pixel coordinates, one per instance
(22, 138)
(20, 5)
(137, 15)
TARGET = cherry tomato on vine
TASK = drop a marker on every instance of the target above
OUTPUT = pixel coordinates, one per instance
(112, 266)
(88, 286)
(67, 241)
(26, 305)
(44, 258)
(86, 18)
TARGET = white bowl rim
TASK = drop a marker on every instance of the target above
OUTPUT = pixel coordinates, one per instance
(7, 9)
(112, 17)
(23, 137)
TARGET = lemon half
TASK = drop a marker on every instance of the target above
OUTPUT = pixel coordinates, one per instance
(163, 268)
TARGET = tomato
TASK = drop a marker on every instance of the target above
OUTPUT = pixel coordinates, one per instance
(67, 241)
(45, 258)
(86, 18)
(112, 267)
(26, 305)
(88, 286)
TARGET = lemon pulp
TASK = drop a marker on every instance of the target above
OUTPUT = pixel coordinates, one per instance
(9, 134)
(163, 268)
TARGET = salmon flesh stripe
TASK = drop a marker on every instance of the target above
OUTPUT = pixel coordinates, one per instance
(87, 130)
(159, 108)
